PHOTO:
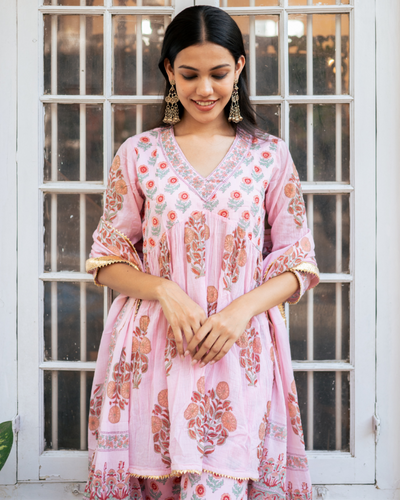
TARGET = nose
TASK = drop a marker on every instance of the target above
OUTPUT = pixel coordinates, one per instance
(204, 87)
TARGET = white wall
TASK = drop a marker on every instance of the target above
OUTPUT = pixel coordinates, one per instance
(388, 242)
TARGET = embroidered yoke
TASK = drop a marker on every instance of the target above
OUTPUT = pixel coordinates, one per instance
(153, 414)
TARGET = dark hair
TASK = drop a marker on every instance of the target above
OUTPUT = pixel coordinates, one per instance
(200, 24)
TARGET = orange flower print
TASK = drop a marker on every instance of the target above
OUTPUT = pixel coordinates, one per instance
(290, 190)
(242, 257)
(114, 414)
(210, 417)
(223, 213)
(144, 323)
(189, 236)
(305, 244)
(201, 387)
(251, 348)
(111, 389)
(235, 201)
(121, 187)
(228, 420)
(116, 163)
(212, 300)
(160, 427)
(234, 257)
(196, 234)
(294, 412)
(171, 215)
(228, 245)
(139, 356)
(200, 490)
(225, 496)
(93, 423)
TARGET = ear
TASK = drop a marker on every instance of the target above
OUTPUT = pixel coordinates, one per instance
(239, 66)
(169, 69)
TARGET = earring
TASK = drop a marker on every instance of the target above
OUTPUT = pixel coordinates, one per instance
(234, 113)
(172, 110)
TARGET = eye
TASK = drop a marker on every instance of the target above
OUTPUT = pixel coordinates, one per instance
(219, 77)
(185, 77)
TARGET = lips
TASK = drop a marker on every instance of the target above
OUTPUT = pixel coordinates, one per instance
(204, 105)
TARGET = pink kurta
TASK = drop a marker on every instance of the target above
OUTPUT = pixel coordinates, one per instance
(153, 414)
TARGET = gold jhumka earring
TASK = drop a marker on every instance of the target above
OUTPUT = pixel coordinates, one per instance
(172, 110)
(234, 113)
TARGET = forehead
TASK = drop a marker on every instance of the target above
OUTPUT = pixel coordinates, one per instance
(204, 56)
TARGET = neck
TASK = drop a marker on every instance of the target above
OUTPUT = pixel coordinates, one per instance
(189, 126)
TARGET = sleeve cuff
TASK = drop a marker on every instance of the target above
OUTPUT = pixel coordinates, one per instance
(303, 273)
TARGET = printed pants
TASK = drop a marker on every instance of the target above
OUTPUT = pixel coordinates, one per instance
(194, 487)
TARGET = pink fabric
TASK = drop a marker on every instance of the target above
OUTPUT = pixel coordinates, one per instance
(152, 413)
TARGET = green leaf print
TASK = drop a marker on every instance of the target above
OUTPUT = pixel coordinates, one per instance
(6, 441)
(214, 483)
(238, 489)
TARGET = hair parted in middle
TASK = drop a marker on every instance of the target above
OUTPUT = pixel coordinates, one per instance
(202, 24)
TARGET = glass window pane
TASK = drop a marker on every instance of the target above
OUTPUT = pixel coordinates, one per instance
(62, 393)
(331, 418)
(269, 118)
(69, 118)
(75, 3)
(63, 252)
(266, 32)
(127, 116)
(324, 67)
(329, 324)
(133, 3)
(331, 231)
(62, 339)
(325, 118)
(319, 2)
(62, 34)
(128, 79)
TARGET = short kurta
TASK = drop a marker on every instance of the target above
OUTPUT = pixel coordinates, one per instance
(153, 414)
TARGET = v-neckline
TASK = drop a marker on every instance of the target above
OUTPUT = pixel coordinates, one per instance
(204, 186)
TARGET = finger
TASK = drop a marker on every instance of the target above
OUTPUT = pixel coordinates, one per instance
(178, 340)
(188, 332)
(198, 337)
(213, 351)
(207, 346)
(223, 351)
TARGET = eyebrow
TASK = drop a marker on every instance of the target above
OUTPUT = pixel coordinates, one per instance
(212, 69)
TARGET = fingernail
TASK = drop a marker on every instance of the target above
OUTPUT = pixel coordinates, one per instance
(182, 356)
(212, 362)
(194, 361)
(202, 364)
(186, 353)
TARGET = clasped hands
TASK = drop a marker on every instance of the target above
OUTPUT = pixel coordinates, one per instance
(208, 339)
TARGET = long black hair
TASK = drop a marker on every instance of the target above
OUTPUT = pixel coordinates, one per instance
(201, 24)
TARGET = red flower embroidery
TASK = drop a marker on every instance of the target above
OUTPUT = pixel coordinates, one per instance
(160, 198)
(154, 153)
(173, 180)
(290, 190)
(247, 180)
(155, 221)
(162, 165)
(143, 169)
(265, 184)
(183, 196)
(200, 490)
(223, 213)
(257, 170)
(145, 139)
(246, 215)
(152, 242)
(256, 199)
(266, 155)
(150, 184)
(171, 215)
(236, 195)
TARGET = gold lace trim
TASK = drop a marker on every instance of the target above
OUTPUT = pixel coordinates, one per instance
(281, 308)
(177, 473)
(96, 263)
(307, 267)
(124, 237)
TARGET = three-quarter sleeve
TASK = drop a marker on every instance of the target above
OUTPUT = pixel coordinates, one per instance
(288, 243)
(120, 226)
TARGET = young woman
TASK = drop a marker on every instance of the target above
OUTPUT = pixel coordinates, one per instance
(194, 395)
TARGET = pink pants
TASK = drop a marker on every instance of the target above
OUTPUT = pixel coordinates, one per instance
(191, 487)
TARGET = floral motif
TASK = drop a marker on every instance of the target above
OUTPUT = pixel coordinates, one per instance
(196, 234)
(297, 462)
(161, 204)
(272, 473)
(251, 348)
(294, 192)
(235, 201)
(212, 203)
(173, 184)
(96, 403)
(115, 242)
(214, 482)
(212, 300)
(293, 256)
(304, 494)
(266, 159)
(205, 186)
(164, 258)
(262, 431)
(113, 441)
(162, 169)
(210, 417)
(118, 389)
(183, 202)
(116, 189)
(247, 185)
(294, 412)
(235, 257)
(160, 426)
(108, 485)
(144, 143)
(257, 173)
(141, 347)
(170, 350)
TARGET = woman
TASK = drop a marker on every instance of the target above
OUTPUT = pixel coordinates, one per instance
(194, 394)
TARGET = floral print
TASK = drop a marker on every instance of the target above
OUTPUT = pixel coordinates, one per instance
(210, 417)
(160, 427)
(218, 238)
(196, 234)
(294, 412)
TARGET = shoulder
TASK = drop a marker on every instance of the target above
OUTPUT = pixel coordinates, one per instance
(140, 143)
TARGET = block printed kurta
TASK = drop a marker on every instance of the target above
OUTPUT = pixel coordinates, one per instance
(151, 413)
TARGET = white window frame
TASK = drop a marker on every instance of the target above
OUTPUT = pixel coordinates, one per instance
(58, 467)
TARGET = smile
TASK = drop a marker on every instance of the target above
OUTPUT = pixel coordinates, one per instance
(205, 103)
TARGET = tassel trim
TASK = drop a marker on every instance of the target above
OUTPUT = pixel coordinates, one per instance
(177, 473)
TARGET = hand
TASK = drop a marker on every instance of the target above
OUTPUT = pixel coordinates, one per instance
(182, 313)
(218, 334)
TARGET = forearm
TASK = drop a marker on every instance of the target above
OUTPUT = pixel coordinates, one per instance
(269, 294)
(128, 281)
